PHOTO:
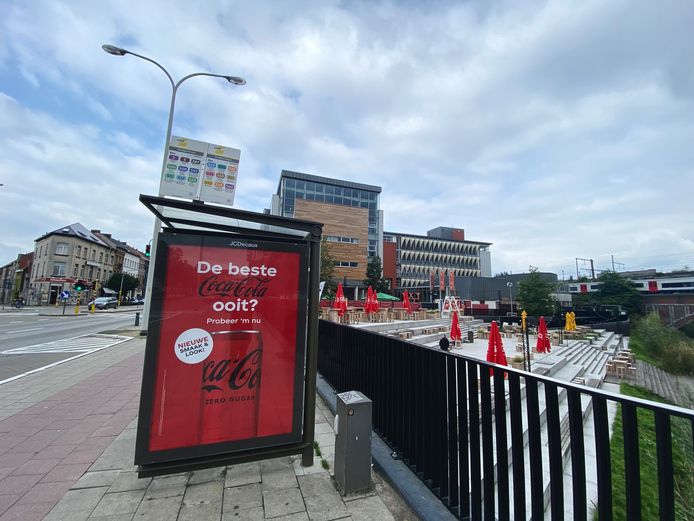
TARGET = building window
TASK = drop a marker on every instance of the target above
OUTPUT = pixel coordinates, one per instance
(93, 254)
(101, 256)
(346, 264)
(339, 238)
(74, 271)
(58, 269)
(79, 251)
(61, 248)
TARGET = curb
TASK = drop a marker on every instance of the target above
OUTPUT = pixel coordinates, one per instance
(410, 488)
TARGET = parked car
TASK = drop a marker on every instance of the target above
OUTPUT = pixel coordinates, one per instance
(104, 303)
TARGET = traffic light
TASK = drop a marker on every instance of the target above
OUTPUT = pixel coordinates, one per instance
(148, 250)
(79, 285)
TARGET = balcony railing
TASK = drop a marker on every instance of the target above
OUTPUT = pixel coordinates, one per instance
(496, 443)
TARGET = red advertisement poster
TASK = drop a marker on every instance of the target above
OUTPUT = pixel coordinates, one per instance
(432, 273)
(228, 368)
(451, 281)
(441, 280)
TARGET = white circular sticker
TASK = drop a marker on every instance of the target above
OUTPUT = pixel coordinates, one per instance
(193, 345)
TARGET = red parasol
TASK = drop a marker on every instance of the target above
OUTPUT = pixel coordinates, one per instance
(491, 346)
(543, 345)
(406, 302)
(340, 302)
(495, 351)
(456, 334)
(500, 353)
(369, 303)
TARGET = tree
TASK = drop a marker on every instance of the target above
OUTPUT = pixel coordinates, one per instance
(535, 294)
(129, 282)
(327, 270)
(615, 289)
(374, 275)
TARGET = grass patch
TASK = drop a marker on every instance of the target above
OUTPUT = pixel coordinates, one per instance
(324, 463)
(682, 456)
(662, 346)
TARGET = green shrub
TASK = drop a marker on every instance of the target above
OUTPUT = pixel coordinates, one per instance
(679, 358)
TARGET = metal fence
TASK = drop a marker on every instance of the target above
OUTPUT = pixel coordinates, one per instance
(499, 444)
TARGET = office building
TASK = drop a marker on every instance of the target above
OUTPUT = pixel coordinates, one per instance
(350, 213)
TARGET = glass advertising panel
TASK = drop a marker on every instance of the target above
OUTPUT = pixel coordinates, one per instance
(224, 365)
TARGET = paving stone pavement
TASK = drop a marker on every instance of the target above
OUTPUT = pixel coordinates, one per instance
(67, 439)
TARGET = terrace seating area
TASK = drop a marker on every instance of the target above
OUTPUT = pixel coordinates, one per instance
(355, 315)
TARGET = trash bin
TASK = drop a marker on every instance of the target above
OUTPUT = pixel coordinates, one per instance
(470, 336)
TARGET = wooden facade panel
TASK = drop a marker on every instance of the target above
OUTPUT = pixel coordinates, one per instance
(341, 221)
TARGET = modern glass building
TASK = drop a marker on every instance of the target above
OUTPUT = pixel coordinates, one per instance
(294, 186)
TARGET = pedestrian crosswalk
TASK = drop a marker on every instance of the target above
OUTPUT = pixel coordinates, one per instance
(80, 344)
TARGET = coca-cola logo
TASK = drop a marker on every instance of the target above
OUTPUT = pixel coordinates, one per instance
(219, 286)
(237, 374)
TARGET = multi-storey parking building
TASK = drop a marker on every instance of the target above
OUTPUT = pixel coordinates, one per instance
(410, 260)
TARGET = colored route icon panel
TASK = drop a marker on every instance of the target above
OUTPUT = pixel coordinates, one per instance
(202, 171)
(221, 169)
(183, 168)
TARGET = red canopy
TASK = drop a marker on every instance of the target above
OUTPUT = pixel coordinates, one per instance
(456, 334)
(543, 345)
(406, 301)
(340, 302)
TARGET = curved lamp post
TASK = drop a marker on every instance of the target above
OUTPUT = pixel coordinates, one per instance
(510, 294)
(234, 80)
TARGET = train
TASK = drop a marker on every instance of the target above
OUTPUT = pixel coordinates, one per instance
(683, 284)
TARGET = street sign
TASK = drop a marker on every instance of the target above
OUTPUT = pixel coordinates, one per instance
(200, 170)
(64, 295)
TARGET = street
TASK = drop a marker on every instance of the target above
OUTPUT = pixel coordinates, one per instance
(29, 340)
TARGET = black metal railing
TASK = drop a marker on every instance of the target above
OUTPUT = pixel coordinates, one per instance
(494, 443)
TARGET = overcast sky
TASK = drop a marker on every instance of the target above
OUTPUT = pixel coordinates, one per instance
(553, 130)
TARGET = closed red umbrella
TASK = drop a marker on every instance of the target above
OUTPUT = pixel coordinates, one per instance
(456, 334)
(406, 302)
(500, 353)
(491, 346)
(340, 301)
(543, 345)
(369, 304)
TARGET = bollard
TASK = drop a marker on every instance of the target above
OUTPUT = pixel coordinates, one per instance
(137, 318)
(353, 443)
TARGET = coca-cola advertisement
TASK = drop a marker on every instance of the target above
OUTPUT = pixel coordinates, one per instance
(225, 348)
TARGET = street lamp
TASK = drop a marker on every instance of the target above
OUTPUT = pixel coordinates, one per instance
(510, 294)
(234, 80)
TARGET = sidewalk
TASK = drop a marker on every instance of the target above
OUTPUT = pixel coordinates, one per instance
(67, 439)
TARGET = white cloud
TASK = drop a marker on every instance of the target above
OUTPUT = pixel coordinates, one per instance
(554, 131)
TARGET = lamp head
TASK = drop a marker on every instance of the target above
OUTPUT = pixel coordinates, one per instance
(235, 80)
(112, 49)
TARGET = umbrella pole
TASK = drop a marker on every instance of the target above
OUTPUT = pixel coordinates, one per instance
(527, 345)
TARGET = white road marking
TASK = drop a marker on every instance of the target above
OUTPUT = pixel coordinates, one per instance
(80, 344)
(24, 330)
(18, 322)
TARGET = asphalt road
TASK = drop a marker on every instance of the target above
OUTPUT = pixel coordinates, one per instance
(25, 328)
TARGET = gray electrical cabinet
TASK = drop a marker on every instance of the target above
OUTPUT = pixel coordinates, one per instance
(353, 442)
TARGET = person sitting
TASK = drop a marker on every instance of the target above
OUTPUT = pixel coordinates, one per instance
(444, 344)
